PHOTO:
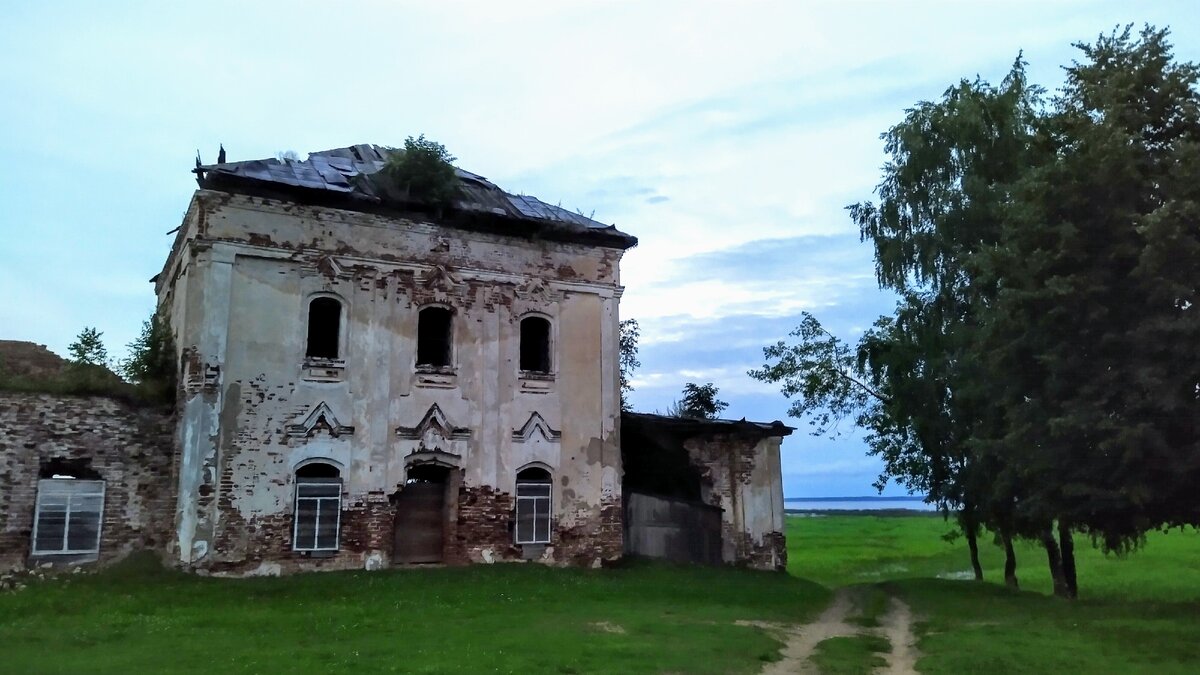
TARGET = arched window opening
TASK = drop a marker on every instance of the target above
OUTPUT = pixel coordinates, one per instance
(533, 506)
(318, 513)
(67, 517)
(433, 337)
(324, 328)
(535, 345)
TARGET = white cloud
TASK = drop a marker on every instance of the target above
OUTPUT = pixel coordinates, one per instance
(756, 121)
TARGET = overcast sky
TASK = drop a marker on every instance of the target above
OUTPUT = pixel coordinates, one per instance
(728, 137)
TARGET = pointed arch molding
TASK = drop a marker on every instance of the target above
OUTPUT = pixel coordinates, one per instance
(441, 278)
(435, 421)
(320, 417)
(536, 290)
(536, 424)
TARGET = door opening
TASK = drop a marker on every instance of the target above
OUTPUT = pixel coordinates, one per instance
(421, 516)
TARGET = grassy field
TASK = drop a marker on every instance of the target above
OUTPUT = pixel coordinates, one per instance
(499, 618)
(850, 655)
(1136, 614)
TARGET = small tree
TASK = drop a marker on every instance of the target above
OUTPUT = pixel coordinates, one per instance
(87, 371)
(628, 345)
(88, 348)
(700, 402)
(424, 169)
(151, 361)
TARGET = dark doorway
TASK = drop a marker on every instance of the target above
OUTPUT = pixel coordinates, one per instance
(421, 516)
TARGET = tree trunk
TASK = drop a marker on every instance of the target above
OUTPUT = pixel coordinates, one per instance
(1010, 562)
(973, 544)
(1054, 558)
(1067, 544)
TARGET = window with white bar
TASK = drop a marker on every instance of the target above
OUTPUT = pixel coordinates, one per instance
(67, 517)
(533, 506)
(318, 513)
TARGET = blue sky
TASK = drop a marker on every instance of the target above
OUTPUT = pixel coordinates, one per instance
(729, 137)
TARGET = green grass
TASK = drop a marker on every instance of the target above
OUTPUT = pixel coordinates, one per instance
(870, 603)
(1137, 613)
(499, 618)
(851, 655)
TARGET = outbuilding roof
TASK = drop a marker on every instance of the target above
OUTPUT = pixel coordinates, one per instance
(693, 426)
(350, 178)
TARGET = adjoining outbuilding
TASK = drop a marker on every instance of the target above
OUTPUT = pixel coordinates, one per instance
(706, 491)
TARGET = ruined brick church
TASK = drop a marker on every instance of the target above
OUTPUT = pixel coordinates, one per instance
(368, 381)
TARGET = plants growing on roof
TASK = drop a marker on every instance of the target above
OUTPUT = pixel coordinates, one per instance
(423, 170)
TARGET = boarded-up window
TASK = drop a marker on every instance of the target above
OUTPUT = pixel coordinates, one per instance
(433, 337)
(533, 507)
(535, 345)
(318, 508)
(324, 328)
(68, 516)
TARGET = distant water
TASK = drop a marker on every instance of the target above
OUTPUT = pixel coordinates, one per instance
(856, 503)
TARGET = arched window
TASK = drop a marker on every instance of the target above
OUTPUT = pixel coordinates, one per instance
(318, 514)
(535, 344)
(324, 328)
(533, 506)
(434, 337)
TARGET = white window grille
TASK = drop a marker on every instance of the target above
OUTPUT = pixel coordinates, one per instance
(533, 508)
(318, 514)
(67, 517)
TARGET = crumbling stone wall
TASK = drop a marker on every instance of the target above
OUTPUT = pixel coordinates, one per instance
(741, 475)
(254, 407)
(131, 449)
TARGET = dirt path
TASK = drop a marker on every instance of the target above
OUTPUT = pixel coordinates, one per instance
(897, 628)
(801, 641)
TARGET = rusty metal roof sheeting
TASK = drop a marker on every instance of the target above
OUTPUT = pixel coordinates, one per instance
(352, 172)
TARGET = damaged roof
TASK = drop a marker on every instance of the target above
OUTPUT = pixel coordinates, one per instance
(693, 426)
(350, 178)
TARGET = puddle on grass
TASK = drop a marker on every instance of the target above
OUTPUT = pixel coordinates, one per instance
(961, 575)
(886, 569)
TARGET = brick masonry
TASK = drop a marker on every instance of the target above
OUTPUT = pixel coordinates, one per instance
(741, 474)
(131, 449)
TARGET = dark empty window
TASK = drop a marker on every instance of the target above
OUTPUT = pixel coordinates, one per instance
(68, 516)
(318, 511)
(433, 337)
(535, 344)
(533, 506)
(324, 328)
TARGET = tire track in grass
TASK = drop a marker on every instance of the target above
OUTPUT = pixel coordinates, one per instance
(897, 627)
(800, 642)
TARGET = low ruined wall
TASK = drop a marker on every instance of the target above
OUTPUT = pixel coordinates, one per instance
(742, 477)
(130, 449)
(479, 529)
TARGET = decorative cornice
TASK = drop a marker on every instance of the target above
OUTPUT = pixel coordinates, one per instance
(434, 419)
(435, 457)
(537, 290)
(440, 278)
(320, 417)
(535, 424)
